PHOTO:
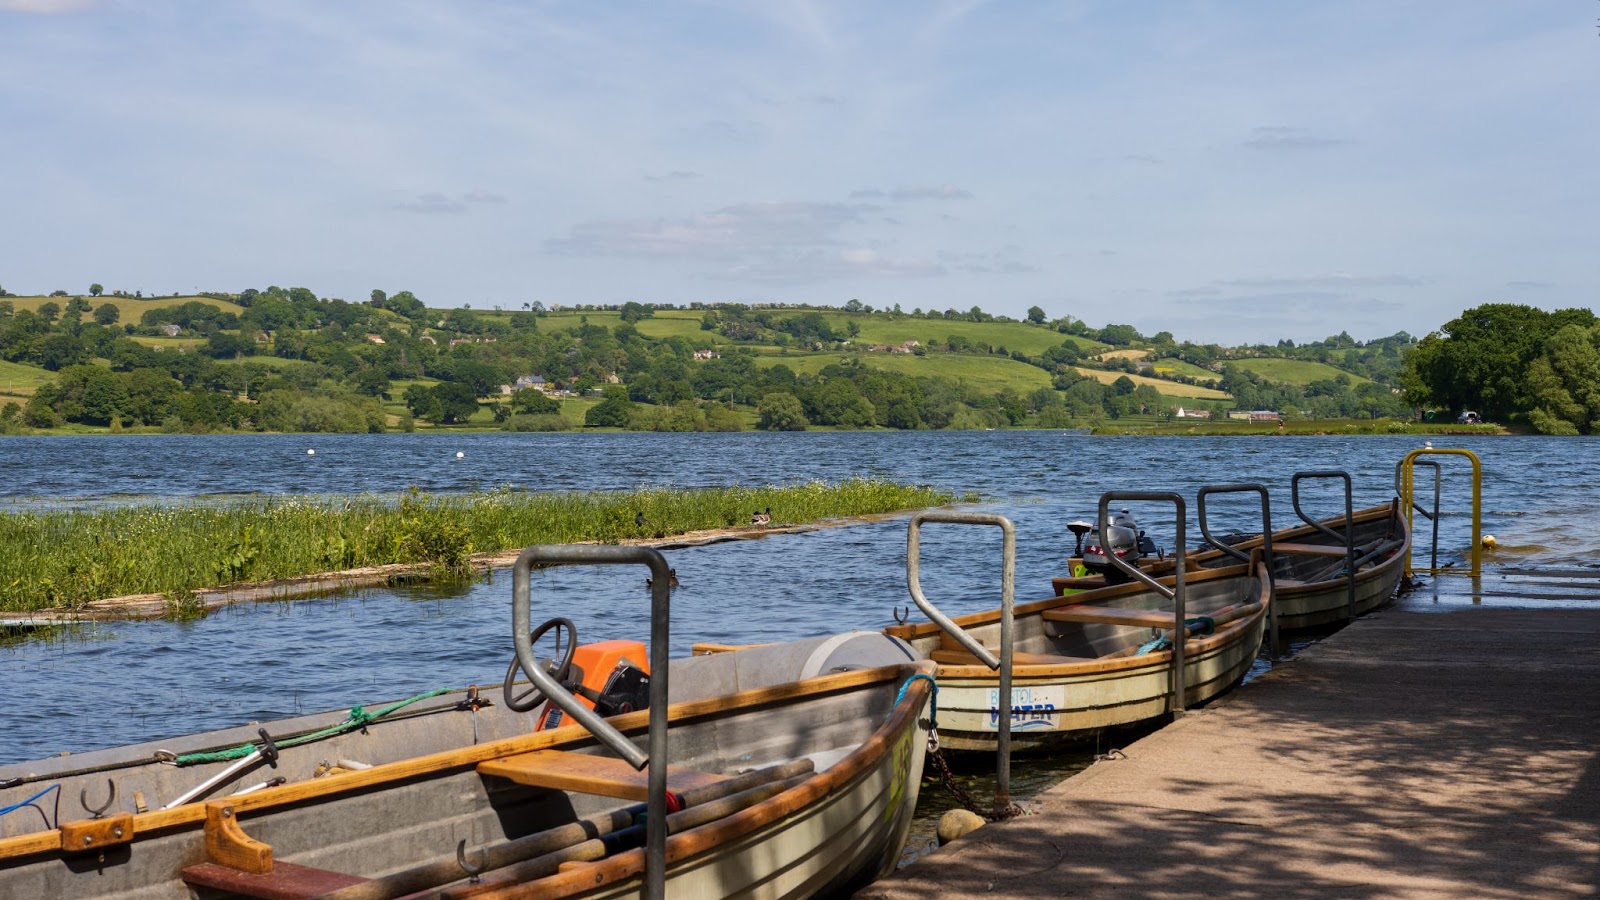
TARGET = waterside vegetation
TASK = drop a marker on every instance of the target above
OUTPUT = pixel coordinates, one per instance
(66, 559)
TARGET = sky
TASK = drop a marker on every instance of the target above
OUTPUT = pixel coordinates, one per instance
(1231, 172)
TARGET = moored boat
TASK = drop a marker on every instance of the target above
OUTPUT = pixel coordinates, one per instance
(1310, 566)
(790, 770)
(1095, 660)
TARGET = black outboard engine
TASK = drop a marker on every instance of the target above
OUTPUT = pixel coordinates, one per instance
(1127, 542)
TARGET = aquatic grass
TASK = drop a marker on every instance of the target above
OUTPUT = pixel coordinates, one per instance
(69, 558)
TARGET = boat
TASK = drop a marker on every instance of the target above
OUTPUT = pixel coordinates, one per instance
(1096, 660)
(786, 770)
(1310, 566)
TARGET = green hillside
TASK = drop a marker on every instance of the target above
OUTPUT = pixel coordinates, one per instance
(986, 373)
(1167, 388)
(878, 328)
(1298, 372)
(18, 381)
(1170, 366)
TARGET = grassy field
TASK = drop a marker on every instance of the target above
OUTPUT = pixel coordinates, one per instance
(131, 310)
(166, 343)
(877, 329)
(1165, 388)
(276, 363)
(664, 324)
(987, 374)
(19, 381)
(1179, 367)
(1293, 371)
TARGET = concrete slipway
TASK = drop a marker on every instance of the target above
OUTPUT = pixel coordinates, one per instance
(1441, 748)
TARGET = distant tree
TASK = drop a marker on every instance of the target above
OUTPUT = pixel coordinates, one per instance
(531, 401)
(456, 402)
(1036, 315)
(633, 312)
(379, 298)
(96, 289)
(50, 311)
(614, 411)
(107, 314)
(1119, 335)
(781, 411)
(372, 381)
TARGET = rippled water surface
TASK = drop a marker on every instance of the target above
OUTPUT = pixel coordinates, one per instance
(103, 685)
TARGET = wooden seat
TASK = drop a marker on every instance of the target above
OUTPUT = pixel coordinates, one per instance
(286, 881)
(1111, 615)
(962, 657)
(604, 776)
(1309, 549)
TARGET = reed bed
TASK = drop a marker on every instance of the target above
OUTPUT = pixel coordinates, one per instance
(66, 559)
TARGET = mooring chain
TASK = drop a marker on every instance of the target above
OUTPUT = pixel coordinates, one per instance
(948, 778)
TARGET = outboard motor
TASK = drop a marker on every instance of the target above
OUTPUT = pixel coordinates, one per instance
(1127, 542)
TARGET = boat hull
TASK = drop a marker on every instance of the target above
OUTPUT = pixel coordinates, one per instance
(1310, 594)
(1072, 681)
(862, 730)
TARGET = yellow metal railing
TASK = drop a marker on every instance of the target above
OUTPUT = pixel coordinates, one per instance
(1406, 486)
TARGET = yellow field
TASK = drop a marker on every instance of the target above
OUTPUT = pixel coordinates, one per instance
(1169, 388)
(132, 310)
(1134, 355)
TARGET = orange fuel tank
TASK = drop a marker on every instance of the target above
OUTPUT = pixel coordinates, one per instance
(610, 677)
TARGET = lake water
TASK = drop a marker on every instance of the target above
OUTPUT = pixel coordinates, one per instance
(103, 685)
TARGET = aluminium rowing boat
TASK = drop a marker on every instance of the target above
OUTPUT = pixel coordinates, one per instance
(1309, 567)
(795, 769)
(1095, 660)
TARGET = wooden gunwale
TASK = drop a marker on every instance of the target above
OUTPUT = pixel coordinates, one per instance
(45, 842)
(688, 844)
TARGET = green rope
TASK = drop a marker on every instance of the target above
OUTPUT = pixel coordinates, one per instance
(358, 718)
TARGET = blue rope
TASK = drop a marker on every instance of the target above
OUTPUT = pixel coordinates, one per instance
(933, 702)
(29, 802)
(1199, 625)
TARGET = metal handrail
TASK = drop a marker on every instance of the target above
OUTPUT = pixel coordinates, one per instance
(1349, 537)
(1432, 517)
(1235, 552)
(1003, 663)
(1176, 593)
(660, 614)
(1407, 492)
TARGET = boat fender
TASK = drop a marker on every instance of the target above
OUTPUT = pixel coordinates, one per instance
(609, 677)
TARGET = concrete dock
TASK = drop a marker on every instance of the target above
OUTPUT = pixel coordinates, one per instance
(1429, 750)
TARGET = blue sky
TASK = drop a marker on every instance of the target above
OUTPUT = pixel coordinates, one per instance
(1229, 172)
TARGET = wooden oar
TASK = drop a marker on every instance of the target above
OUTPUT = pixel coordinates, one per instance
(534, 848)
(615, 842)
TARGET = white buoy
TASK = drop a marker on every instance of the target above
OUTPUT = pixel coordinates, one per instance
(1489, 541)
(311, 453)
(460, 455)
(1427, 445)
